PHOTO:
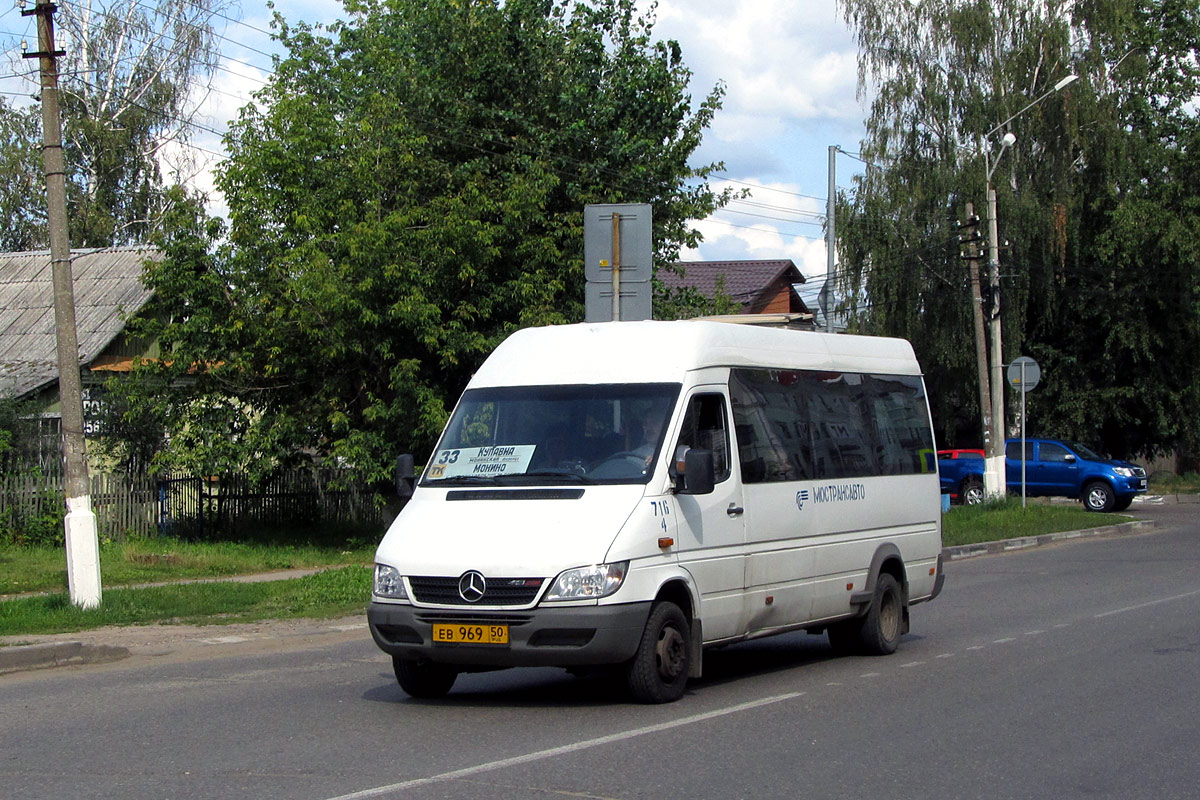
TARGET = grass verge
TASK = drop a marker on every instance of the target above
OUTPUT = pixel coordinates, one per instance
(1006, 519)
(42, 569)
(331, 593)
(334, 592)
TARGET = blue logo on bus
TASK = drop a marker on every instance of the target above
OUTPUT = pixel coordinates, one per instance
(801, 498)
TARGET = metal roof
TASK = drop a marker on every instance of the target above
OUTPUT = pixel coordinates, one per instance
(108, 289)
(744, 281)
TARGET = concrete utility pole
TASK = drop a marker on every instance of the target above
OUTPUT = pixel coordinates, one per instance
(83, 551)
(971, 242)
(830, 240)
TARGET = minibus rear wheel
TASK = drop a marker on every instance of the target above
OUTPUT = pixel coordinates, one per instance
(658, 672)
(876, 633)
(423, 679)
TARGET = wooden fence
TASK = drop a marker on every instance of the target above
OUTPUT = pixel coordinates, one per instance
(141, 505)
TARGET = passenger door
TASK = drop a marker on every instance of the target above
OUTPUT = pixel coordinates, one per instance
(711, 527)
(1058, 470)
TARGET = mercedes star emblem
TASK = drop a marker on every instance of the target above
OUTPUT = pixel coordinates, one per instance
(471, 586)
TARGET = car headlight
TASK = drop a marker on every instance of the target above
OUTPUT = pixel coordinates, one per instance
(588, 583)
(1124, 472)
(389, 583)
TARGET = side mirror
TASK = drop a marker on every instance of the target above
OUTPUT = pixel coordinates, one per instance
(698, 475)
(405, 476)
(1070, 458)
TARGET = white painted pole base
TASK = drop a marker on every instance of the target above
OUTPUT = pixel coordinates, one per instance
(83, 553)
(994, 478)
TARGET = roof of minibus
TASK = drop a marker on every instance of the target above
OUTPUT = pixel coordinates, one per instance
(664, 352)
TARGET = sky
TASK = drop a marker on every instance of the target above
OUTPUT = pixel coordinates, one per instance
(790, 73)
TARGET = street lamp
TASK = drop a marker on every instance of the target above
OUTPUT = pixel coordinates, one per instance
(994, 480)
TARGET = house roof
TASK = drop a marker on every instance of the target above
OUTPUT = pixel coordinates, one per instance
(744, 281)
(108, 289)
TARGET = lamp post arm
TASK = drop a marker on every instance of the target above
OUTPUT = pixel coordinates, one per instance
(1067, 81)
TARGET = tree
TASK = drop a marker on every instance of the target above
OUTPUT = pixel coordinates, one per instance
(1095, 281)
(131, 81)
(408, 190)
(22, 181)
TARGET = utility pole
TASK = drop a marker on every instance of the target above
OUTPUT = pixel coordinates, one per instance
(83, 551)
(830, 241)
(970, 241)
(995, 452)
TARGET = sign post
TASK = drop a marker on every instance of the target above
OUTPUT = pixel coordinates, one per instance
(1023, 375)
(618, 256)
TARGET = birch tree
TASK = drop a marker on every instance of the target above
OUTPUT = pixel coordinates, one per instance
(1100, 281)
(133, 78)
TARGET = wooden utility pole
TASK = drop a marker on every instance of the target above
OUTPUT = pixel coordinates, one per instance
(83, 551)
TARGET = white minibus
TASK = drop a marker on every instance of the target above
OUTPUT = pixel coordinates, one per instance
(629, 494)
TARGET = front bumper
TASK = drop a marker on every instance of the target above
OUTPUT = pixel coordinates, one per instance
(545, 637)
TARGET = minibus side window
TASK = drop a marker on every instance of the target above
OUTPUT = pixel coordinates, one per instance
(704, 427)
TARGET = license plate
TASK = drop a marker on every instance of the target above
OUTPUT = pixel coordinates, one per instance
(471, 634)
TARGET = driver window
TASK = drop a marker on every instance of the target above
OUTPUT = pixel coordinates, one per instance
(704, 427)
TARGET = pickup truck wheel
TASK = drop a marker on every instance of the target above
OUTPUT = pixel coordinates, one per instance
(1123, 504)
(972, 492)
(1098, 496)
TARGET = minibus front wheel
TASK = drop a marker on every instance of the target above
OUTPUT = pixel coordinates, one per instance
(425, 680)
(658, 672)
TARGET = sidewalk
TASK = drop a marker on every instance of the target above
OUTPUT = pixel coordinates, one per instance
(104, 645)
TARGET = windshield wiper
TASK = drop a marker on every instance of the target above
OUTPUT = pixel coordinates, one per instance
(487, 480)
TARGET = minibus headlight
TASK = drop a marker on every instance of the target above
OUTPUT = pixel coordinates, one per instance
(389, 583)
(588, 583)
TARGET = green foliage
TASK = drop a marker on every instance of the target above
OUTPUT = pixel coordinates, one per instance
(22, 180)
(33, 521)
(1099, 281)
(406, 192)
(129, 82)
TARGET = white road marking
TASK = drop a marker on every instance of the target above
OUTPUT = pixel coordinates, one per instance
(565, 749)
(1147, 605)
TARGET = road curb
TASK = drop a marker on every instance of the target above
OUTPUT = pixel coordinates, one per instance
(22, 658)
(959, 552)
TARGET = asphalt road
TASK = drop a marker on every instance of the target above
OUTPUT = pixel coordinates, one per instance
(1069, 670)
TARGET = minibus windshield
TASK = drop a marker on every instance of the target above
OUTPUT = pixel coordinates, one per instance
(553, 435)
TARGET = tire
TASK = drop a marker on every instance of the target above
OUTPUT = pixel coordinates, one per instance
(1098, 496)
(423, 679)
(972, 492)
(876, 633)
(884, 623)
(1123, 503)
(658, 671)
(845, 638)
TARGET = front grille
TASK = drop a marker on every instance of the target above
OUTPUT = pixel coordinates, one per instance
(497, 592)
(1138, 472)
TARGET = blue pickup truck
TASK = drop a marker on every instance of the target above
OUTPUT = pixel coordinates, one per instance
(1053, 468)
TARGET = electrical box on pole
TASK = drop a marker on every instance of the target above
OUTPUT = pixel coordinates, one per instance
(618, 254)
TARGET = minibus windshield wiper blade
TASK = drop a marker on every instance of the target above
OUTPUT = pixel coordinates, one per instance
(487, 480)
